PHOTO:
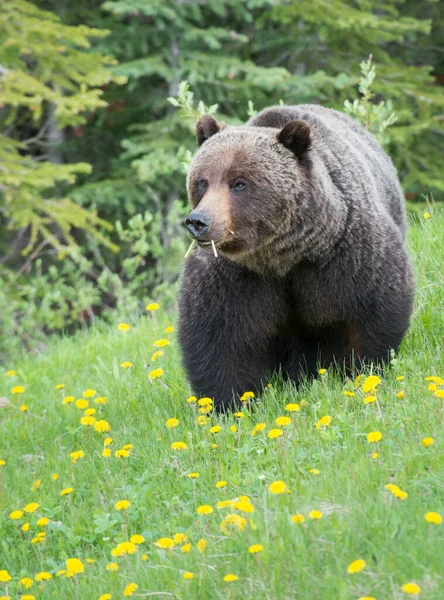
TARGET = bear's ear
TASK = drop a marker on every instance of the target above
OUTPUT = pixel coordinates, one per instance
(295, 136)
(206, 127)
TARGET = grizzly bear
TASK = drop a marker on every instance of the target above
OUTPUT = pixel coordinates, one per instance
(300, 259)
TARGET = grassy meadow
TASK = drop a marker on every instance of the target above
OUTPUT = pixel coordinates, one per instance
(156, 497)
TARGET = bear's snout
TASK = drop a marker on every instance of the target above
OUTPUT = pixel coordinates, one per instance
(198, 224)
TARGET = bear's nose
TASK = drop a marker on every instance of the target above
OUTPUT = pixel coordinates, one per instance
(198, 224)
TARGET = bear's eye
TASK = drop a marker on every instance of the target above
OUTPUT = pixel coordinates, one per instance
(202, 184)
(239, 185)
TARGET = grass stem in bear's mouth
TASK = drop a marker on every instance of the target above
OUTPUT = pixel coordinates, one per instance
(214, 248)
(190, 248)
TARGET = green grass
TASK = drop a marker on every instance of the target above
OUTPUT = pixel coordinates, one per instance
(361, 519)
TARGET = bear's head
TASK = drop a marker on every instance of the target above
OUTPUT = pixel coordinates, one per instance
(246, 185)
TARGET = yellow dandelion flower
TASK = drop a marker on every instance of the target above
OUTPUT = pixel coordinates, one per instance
(122, 453)
(152, 307)
(257, 428)
(224, 503)
(67, 491)
(298, 519)
(230, 577)
(11, 373)
(400, 378)
(112, 566)
(165, 543)
(105, 597)
(42, 522)
(322, 371)
(205, 509)
(246, 396)
(255, 548)
(283, 421)
(235, 521)
(122, 505)
(89, 393)
(221, 484)
(428, 441)
(25, 527)
(18, 389)
(107, 441)
(43, 576)
(179, 538)
(87, 421)
(277, 487)
(5, 577)
(432, 387)
(374, 436)
(102, 426)
(60, 386)
(54, 476)
(233, 428)
(214, 446)
(90, 411)
(188, 575)
(68, 399)
(137, 539)
(191, 399)
(27, 582)
(144, 556)
(239, 415)
(315, 471)
(161, 343)
(315, 514)
(437, 380)
(202, 420)
(74, 566)
(193, 475)
(439, 393)
(106, 452)
(126, 364)
(205, 409)
(205, 401)
(292, 407)
(275, 433)
(426, 216)
(356, 566)
(169, 329)
(215, 429)
(433, 517)
(366, 598)
(82, 403)
(396, 491)
(31, 507)
(75, 456)
(370, 384)
(16, 514)
(128, 547)
(401, 394)
(123, 327)
(411, 588)
(323, 422)
(369, 399)
(201, 545)
(23, 407)
(156, 355)
(375, 455)
(179, 446)
(101, 400)
(155, 374)
(186, 548)
(243, 504)
(347, 393)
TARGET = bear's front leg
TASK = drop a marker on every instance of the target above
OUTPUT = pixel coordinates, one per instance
(227, 324)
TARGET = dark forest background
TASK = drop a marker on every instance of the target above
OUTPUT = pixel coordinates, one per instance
(97, 109)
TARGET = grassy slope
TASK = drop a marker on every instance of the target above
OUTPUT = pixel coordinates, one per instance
(361, 519)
